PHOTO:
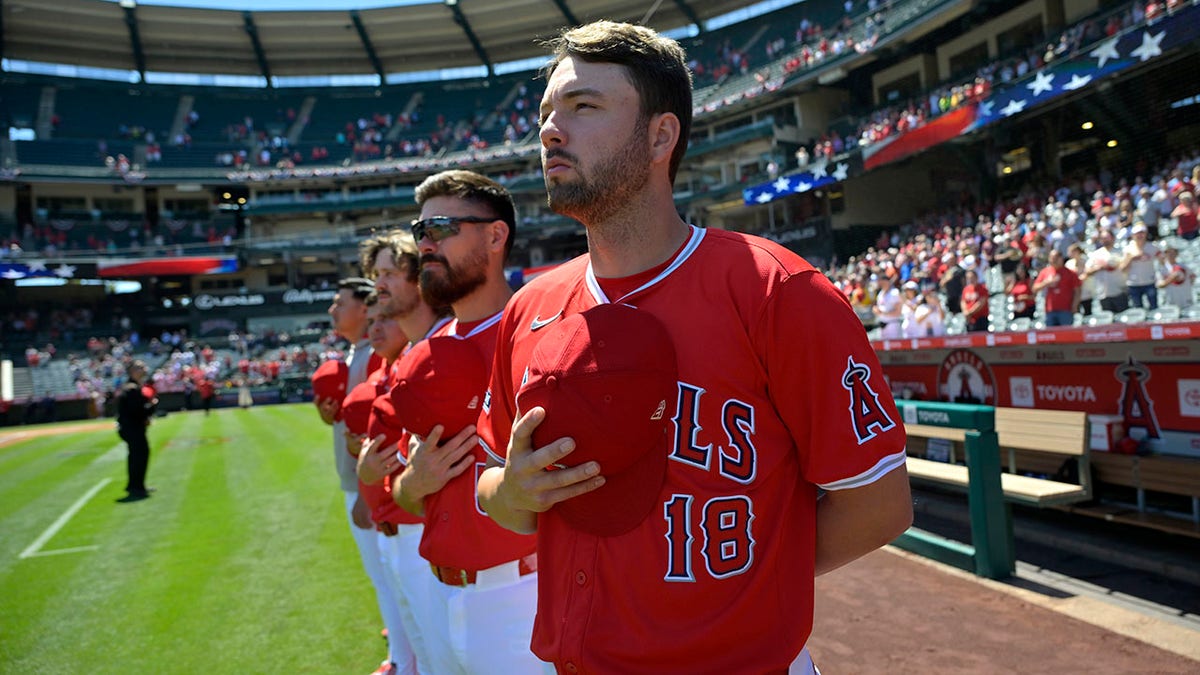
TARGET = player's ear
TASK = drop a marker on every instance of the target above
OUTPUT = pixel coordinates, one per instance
(498, 235)
(664, 136)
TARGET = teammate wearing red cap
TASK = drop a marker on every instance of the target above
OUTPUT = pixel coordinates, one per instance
(487, 573)
(392, 260)
(786, 456)
(349, 314)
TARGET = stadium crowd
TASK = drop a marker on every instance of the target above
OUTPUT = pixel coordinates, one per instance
(1056, 255)
(898, 118)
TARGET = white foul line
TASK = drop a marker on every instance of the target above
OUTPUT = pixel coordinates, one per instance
(60, 551)
(62, 520)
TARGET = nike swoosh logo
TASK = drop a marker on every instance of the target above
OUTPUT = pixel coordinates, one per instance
(542, 323)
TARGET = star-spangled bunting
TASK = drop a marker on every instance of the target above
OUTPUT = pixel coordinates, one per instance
(1150, 46)
(1006, 100)
(41, 269)
(1077, 81)
(1014, 106)
(1041, 83)
(1107, 50)
(797, 183)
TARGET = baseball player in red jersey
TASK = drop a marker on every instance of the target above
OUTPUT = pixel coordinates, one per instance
(392, 260)
(487, 574)
(787, 453)
(349, 314)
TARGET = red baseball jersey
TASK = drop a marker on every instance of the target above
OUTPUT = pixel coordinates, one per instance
(458, 532)
(780, 395)
(379, 496)
(1059, 298)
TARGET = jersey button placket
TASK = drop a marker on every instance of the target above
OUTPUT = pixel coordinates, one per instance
(571, 667)
(581, 578)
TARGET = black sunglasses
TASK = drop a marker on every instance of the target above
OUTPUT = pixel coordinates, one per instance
(438, 228)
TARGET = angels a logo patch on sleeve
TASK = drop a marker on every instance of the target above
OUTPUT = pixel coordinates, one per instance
(867, 416)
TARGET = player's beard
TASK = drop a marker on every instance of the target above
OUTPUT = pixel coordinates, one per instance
(443, 286)
(608, 186)
(402, 305)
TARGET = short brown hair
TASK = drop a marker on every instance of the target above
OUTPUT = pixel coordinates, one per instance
(403, 249)
(656, 65)
(474, 188)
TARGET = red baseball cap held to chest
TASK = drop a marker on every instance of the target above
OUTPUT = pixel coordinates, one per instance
(607, 378)
(356, 407)
(329, 381)
(440, 380)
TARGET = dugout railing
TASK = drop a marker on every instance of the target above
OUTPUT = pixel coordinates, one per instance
(990, 553)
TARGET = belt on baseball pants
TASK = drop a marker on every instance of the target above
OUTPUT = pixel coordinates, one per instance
(504, 572)
(392, 529)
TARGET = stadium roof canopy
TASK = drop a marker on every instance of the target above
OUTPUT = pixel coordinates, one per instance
(382, 42)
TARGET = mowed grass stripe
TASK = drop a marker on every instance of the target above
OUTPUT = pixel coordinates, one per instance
(94, 582)
(35, 493)
(241, 562)
(33, 464)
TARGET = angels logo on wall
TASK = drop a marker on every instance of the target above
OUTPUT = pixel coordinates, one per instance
(1135, 405)
(963, 377)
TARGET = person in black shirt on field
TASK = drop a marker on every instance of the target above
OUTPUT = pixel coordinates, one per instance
(133, 416)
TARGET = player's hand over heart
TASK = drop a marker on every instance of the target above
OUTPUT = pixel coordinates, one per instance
(360, 514)
(431, 466)
(376, 460)
(527, 485)
(327, 408)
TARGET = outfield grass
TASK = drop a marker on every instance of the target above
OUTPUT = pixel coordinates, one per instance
(241, 562)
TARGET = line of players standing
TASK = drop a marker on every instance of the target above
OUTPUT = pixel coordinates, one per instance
(683, 538)
(456, 591)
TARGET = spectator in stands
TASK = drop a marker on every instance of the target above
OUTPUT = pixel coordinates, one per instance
(1061, 286)
(1007, 255)
(1020, 290)
(1138, 264)
(974, 302)
(1102, 265)
(1146, 209)
(930, 316)
(952, 281)
(912, 300)
(889, 307)
(1077, 263)
(1175, 280)
(1186, 224)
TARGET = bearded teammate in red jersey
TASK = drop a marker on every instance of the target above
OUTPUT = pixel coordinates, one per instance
(486, 573)
(787, 457)
(392, 261)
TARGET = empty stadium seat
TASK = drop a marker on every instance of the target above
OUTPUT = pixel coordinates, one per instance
(1133, 315)
(1165, 313)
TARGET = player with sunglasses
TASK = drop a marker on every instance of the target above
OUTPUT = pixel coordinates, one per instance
(487, 574)
(438, 228)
